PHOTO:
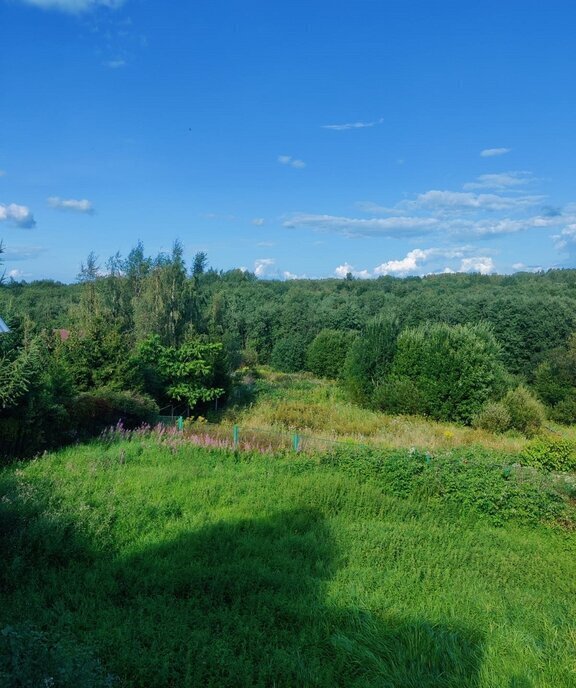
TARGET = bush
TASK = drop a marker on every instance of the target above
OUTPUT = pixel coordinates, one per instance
(565, 410)
(369, 359)
(398, 395)
(527, 414)
(289, 354)
(494, 417)
(456, 369)
(326, 354)
(550, 454)
(468, 479)
(95, 411)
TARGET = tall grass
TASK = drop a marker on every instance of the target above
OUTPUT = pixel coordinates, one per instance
(179, 565)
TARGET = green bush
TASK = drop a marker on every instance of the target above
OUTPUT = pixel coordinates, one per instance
(456, 369)
(326, 354)
(397, 395)
(95, 411)
(527, 414)
(550, 454)
(493, 416)
(289, 354)
(469, 479)
(565, 411)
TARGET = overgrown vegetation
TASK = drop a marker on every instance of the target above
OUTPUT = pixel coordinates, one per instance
(161, 564)
(492, 352)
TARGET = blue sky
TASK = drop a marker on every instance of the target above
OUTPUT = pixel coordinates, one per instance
(303, 138)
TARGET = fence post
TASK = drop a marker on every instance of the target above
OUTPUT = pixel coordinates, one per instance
(180, 423)
(236, 436)
(296, 442)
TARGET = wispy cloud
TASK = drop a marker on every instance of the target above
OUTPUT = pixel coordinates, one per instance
(494, 152)
(115, 64)
(18, 215)
(265, 244)
(501, 182)
(465, 200)
(73, 6)
(350, 226)
(2, 173)
(258, 221)
(352, 125)
(376, 208)
(291, 162)
(79, 206)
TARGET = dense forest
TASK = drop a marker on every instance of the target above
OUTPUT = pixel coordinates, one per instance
(137, 335)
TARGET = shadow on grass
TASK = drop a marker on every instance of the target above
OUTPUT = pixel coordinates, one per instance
(239, 603)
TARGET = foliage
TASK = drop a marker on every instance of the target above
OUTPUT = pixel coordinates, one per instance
(369, 359)
(289, 354)
(101, 408)
(186, 567)
(493, 416)
(189, 373)
(527, 414)
(327, 353)
(455, 369)
(550, 454)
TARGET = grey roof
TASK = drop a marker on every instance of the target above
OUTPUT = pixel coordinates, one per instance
(3, 326)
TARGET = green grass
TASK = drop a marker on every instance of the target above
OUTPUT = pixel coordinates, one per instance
(179, 566)
(298, 401)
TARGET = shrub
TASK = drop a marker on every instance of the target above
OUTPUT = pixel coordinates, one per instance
(369, 359)
(493, 416)
(456, 369)
(550, 454)
(289, 354)
(326, 354)
(399, 394)
(95, 411)
(565, 410)
(527, 414)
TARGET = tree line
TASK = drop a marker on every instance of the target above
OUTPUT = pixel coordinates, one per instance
(139, 334)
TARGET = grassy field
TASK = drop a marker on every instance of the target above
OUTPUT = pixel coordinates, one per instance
(282, 402)
(178, 566)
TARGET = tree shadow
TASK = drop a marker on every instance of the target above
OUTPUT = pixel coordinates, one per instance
(239, 603)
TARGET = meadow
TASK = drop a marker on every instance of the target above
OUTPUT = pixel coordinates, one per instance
(148, 561)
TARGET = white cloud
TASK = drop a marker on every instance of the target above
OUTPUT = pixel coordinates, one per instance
(18, 274)
(287, 275)
(18, 215)
(79, 206)
(343, 270)
(262, 266)
(482, 264)
(2, 173)
(500, 182)
(408, 264)
(291, 162)
(73, 6)
(258, 221)
(265, 244)
(494, 152)
(521, 267)
(349, 226)
(115, 64)
(352, 125)
(460, 200)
